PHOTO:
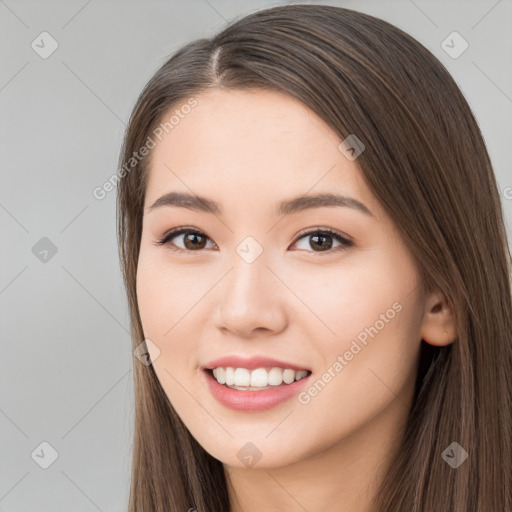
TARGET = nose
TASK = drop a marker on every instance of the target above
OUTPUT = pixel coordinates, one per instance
(250, 300)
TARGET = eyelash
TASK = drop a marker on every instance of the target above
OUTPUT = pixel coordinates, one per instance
(345, 243)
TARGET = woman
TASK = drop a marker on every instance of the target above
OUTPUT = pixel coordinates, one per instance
(318, 276)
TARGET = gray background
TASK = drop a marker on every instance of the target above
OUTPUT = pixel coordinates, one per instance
(66, 362)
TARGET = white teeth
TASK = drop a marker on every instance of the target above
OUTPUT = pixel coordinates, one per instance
(258, 378)
(275, 376)
(230, 376)
(288, 376)
(242, 377)
(220, 375)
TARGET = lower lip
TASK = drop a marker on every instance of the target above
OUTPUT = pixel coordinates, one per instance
(251, 401)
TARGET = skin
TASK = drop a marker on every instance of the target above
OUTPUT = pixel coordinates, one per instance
(248, 150)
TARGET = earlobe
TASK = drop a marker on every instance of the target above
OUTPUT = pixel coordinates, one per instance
(438, 327)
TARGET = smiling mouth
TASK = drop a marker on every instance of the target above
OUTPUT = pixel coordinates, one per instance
(259, 379)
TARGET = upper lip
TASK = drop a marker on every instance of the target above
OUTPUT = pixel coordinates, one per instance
(251, 363)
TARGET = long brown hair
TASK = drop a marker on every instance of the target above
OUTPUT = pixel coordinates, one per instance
(426, 162)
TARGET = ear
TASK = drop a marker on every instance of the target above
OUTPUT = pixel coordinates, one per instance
(438, 326)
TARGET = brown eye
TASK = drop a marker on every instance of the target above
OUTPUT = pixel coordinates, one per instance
(321, 241)
(192, 239)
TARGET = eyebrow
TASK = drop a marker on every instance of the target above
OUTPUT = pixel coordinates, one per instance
(286, 207)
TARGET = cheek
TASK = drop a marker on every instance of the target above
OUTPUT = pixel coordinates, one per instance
(365, 327)
(163, 304)
(150, 297)
(162, 294)
(348, 299)
(170, 310)
(159, 306)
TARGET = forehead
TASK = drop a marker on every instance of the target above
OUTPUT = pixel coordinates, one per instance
(242, 122)
(248, 145)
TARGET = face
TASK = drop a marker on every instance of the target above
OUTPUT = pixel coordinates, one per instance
(329, 288)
